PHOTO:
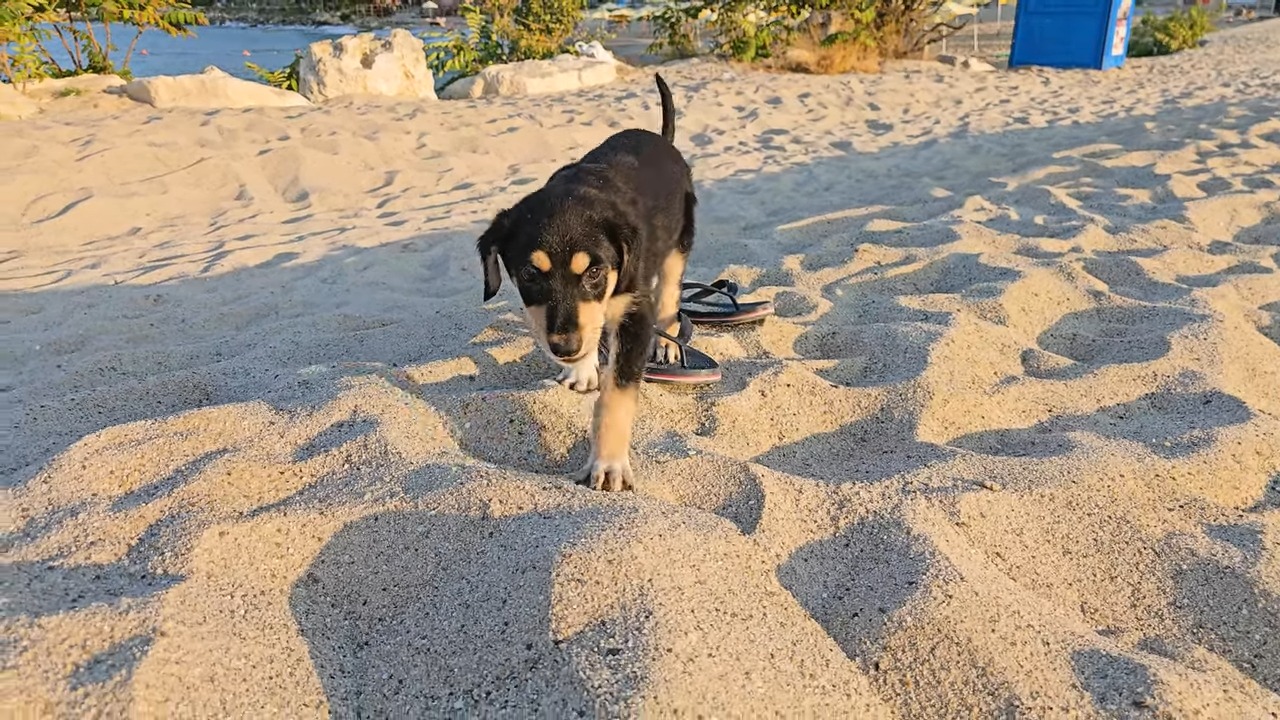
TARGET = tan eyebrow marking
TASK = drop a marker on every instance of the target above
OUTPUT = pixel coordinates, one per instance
(579, 262)
(540, 260)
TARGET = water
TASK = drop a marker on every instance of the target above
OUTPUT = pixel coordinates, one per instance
(222, 45)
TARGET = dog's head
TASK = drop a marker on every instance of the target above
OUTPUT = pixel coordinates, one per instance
(566, 265)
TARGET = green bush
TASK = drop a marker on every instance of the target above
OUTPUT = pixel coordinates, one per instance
(1180, 30)
(285, 78)
(83, 28)
(503, 31)
(749, 31)
(544, 27)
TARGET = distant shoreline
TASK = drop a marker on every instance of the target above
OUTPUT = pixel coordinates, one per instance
(276, 18)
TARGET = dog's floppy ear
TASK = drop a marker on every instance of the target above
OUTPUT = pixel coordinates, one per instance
(623, 236)
(489, 244)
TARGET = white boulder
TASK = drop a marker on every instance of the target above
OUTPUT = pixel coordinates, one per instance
(971, 64)
(210, 88)
(976, 65)
(594, 50)
(55, 88)
(365, 64)
(534, 77)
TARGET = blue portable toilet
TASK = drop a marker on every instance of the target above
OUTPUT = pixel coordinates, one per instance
(1071, 33)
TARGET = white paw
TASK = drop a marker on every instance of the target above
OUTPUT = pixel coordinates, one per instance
(582, 376)
(608, 475)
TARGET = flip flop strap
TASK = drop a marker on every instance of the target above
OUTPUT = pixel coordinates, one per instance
(678, 341)
(683, 320)
(721, 287)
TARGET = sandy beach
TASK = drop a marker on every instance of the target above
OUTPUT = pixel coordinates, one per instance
(1010, 446)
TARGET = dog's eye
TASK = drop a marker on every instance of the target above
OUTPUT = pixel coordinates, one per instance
(593, 274)
(529, 273)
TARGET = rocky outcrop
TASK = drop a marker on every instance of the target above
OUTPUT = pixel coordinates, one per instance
(89, 84)
(364, 64)
(211, 88)
(534, 77)
(36, 96)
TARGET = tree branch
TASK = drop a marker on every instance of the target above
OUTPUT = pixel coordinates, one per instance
(129, 53)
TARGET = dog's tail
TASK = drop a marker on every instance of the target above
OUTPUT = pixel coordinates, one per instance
(668, 109)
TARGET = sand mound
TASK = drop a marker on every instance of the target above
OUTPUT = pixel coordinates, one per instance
(1010, 447)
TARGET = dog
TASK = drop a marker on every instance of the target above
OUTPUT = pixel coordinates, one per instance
(598, 254)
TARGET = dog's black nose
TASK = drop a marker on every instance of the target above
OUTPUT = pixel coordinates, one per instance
(564, 345)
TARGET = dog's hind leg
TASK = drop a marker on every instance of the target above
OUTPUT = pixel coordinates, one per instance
(609, 466)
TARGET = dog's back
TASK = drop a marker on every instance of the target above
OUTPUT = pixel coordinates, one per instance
(635, 162)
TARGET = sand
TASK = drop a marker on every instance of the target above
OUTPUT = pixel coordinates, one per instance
(1009, 448)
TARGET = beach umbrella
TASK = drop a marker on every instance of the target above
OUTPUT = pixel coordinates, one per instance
(952, 9)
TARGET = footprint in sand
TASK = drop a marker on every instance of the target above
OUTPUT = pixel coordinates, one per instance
(1111, 335)
(1125, 277)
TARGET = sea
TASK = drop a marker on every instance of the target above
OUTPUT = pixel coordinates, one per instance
(227, 46)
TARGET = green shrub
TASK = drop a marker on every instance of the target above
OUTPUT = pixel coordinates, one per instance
(748, 31)
(83, 28)
(544, 27)
(676, 31)
(503, 31)
(1180, 30)
(285, 78)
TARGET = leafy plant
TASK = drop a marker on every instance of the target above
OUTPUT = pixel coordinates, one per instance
(83, 28)
(677, 31)
(748, 30)
(465, 53)
(544, 27)
(1180, 30)
(503, 31)
(23, 56)
(285, 78)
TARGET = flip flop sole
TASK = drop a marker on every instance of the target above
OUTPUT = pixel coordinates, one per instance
(711, 312)
(746, 312)
(698, 369)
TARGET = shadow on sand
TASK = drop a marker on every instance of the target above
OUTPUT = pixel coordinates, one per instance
(379, 628)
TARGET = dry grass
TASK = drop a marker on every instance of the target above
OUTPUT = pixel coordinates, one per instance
(809, 55)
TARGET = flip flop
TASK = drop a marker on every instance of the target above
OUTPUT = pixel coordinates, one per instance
(695, 367)
(721, 313)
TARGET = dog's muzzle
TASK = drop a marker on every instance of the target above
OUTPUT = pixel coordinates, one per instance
(566, 346)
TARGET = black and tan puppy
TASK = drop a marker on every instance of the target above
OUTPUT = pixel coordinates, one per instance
(598, 253)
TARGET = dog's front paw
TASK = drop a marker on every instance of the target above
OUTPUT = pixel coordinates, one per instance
(608, 475)
(666, 352)
(582, 376)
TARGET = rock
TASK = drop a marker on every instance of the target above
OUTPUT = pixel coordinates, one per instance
(210, 88)
(53, 89)
(15, 105)
(976, 65)
(364, 64)
(534, 77)
(971, 64)
(594, 50)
